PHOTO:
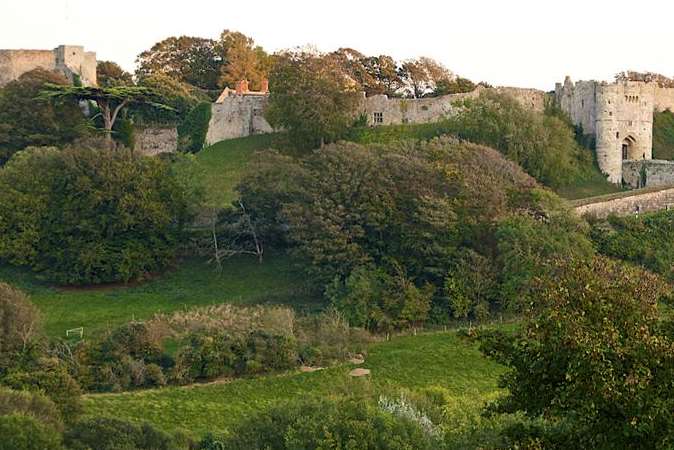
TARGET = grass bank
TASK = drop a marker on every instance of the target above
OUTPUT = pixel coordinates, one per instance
(413, 362)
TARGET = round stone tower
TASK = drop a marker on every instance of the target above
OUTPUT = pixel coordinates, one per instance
(609, 155)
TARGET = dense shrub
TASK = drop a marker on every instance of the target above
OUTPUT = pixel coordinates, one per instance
(83, 215)
(390, 232)
(30, 404)
(663, 135)
(51, 378)
(114, 434)
(212, 355)
(646, 240)
(25, 121)
(330, 424)
(543, 145)
(192, 131)
(24, 432)
(592, 362)
(130, 356)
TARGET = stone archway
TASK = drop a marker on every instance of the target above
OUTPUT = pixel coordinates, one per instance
(629, 149)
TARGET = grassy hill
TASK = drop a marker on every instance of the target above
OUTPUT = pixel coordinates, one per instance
(222, 165)
(193, 283)
(415, 362)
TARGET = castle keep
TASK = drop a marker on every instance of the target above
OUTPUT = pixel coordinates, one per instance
(69, 60)
(620, 118)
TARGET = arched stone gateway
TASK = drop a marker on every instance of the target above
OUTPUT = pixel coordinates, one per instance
(630, 149)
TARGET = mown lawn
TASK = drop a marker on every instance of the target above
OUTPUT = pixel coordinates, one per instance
(193, 283)
(413, 362)
(222, 165)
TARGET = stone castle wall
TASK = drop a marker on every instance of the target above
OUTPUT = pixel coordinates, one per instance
(648, 173)
(243, 115)
(636, 202)
(153, 140)
(69, 60)
(618, 115)
(237, 116)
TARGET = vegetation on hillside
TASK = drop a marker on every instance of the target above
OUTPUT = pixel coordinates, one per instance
(663, 135)
(86, 216)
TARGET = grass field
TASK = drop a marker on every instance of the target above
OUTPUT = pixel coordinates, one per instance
(193, 283)
(222, 165)
(413, 362)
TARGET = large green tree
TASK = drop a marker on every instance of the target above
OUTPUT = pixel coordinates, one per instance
(109, 74)
(25, 121)
(85, 215)
(311, 98)
(111, 101)
(593, 362)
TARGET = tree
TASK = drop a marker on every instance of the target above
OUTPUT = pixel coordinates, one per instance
(243, 60)
(110, 74)
(423, 74)
(193, 60)
(25, 122)
(311, 98)
(110, 100)
(24, 432)
(86, 215)
(592, 362)
(20, 324)
(453, 86)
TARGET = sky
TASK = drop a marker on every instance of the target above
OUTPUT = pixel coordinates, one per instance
(521, 43)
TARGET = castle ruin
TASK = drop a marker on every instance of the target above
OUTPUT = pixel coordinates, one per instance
(70, 60)
(620, 118)
(240, 112)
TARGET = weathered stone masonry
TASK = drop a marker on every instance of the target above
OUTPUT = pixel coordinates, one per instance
(69, 60)
(240, 113)
(618, 115)
(634, 202)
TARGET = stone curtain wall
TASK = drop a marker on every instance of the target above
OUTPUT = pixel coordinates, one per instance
(648, 173)
(153, 141)
(394, 111)
(243, 115)
(14, 63)
(634, 202)
(67, 59)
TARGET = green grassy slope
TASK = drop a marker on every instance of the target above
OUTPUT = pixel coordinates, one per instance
(194, 283)
(441, 359)
(222, 165)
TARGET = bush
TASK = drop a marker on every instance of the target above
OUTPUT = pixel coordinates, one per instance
(593, 361)
(543, 145)
(646, 240)
(114, 434)
(30, 404)
(90, 216)
(330, 424)
(219, 354)
(21, 432)
(26, 122)
(50, 378)
(20, 324)
(193, 129)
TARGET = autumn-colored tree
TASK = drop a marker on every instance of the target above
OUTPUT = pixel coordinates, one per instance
(109, 74)
(311, 98)
(192, 60)
(243, 60)
(423, 74)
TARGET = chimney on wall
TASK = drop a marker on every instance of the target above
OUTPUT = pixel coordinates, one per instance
(265, 86)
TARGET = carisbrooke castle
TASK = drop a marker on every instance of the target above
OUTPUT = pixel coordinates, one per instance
(618, 115)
